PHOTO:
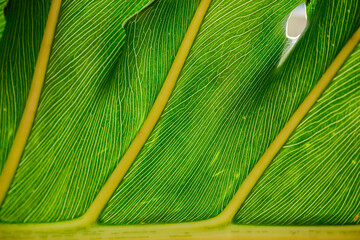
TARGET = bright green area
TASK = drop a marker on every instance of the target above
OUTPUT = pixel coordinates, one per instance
(230, 101)
(19, 47)
(315, 179)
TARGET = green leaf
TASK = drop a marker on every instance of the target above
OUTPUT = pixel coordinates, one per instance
(109, 62)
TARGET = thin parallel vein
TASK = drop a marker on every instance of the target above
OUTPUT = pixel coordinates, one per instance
(28, 115)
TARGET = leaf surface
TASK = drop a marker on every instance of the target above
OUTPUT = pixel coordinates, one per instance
(231, 100)
(236, 99)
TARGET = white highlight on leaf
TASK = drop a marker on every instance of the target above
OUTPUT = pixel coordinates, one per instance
(296, 23)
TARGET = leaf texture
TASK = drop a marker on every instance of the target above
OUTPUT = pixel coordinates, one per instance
(108, 63)
(236, 99)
